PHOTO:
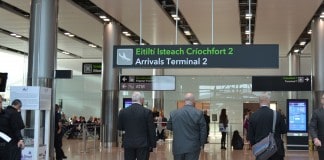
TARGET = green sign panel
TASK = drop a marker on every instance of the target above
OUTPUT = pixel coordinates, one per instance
(196, 56)
(91, 68)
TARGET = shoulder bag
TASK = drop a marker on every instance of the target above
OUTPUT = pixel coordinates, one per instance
(267, 147)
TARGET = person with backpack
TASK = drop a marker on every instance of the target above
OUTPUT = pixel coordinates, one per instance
(237, 141)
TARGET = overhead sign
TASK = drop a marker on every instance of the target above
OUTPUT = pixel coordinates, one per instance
(196, 56)
(147, 83)
(281, 83)
(91, 68)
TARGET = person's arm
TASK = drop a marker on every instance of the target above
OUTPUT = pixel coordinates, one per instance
(283, 124)
(313, 129)
(120, 124)
(169, 124)
(203, 129)
(151, 129)
(251, 132)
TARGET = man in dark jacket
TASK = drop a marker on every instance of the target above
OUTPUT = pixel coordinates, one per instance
(16, 125)
(260, 125)
(316, 128)
(137, 122)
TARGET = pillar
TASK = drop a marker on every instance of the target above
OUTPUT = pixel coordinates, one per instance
(110, 91)
(158, 97)
(294, 70)
(317, 59)
(42, 56)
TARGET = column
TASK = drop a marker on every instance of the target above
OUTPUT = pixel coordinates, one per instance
(294, 70)
(110, 92)
(318, 59)
(42, 57)
(158, 97)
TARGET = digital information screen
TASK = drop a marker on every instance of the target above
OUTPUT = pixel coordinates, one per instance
(127, 102)
(297, 110)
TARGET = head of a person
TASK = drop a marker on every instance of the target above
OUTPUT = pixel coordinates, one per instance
(57, 108)
(223, 111)
(236, 133)
(264, 99)
(16, 104)
(138, 97)
(189, 99)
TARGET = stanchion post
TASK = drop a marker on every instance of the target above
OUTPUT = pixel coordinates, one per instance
(84, 141)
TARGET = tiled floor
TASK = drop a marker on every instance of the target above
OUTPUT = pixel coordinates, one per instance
(73, 148)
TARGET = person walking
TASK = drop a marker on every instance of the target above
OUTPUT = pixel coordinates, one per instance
(137, 123)
(189, 130)
(207, 120)
(260, 125)
(16, 124)
(223, 124)
(316, 128)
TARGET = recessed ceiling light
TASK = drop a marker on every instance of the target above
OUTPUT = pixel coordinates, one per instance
(67, 33)
(247, 32)
(187, 32)
(248, 16)
(125, 32)
(102, 17)
(247, 43)
(296, 50)
(195, 43)
(322, 15)
(67, 53)
(310, 31)
(18, 36)
(106, 19)
(302, 43)
(174, 15)
(176, 18)
(13, 34)
(92, 45)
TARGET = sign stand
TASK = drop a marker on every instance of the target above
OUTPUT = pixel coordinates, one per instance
(37, 137)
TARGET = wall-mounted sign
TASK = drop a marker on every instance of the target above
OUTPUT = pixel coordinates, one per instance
(147, 83)
(196, 56)
(91, 68)
(281, 83)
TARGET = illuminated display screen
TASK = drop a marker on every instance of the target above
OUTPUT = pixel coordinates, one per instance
(297, 115)
(127, 102)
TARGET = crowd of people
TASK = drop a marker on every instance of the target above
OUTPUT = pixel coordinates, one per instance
(143, 128)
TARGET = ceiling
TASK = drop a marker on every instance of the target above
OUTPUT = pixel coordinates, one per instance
(276, 22)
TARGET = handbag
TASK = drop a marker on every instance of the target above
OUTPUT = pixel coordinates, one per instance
(222, 127)
(267, 147)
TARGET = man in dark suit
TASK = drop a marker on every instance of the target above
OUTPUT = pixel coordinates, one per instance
(137, 122)
(189, 130)
(16, 125)
(316, 128)
(260, 125)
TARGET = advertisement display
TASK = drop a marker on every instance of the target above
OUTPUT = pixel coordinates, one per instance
(297, 110)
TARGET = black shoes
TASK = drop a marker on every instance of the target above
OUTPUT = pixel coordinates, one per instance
(223, 147)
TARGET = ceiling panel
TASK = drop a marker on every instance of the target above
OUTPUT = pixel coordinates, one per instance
(75, 47)
(14, 43)
(14, 23)
(226, 20)
(281, 22)
(157, 27)
(21, 4)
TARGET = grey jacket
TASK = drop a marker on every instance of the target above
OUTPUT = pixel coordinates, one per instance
(189, 129)
(316, 126)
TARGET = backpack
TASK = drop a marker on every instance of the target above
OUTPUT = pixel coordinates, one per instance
(238, 143)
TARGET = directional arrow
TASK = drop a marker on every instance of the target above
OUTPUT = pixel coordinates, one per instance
(124, 86)
(307, 79)
(124, 79)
